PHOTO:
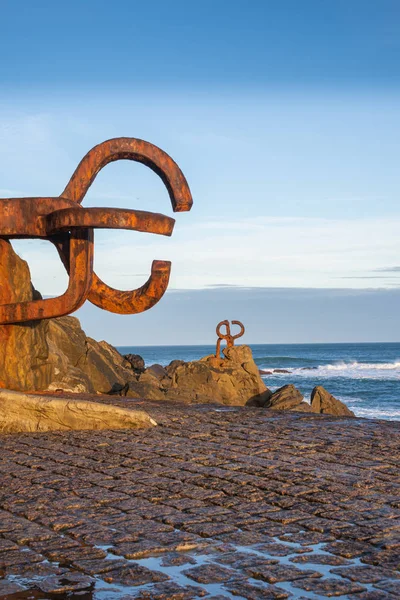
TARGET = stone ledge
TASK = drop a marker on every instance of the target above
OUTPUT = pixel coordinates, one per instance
(20, 412)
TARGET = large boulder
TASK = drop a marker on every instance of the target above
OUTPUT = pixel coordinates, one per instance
(23, 348)
(20, 412)
(233, 380)
(136, 362)
(80, 364)
(323, 402)
(288, 397)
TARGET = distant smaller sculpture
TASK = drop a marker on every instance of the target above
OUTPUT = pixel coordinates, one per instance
(228, 337)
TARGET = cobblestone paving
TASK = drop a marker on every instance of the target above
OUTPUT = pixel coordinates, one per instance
(213, 503)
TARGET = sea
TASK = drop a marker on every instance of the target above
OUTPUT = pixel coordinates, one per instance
(366, 377)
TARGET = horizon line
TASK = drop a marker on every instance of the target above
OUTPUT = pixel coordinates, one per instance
(255, 344)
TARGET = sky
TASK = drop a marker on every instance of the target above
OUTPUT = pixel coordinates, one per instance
(284, 117)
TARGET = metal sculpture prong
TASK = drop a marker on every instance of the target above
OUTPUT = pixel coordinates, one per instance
(228, 337)
(63, 221)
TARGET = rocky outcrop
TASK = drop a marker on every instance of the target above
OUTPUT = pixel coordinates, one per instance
(323, 402)
(287, 397)
(21, 412)
(233, 380)
(79, 363)
(136, 362)
(56, 354)
(23, 348)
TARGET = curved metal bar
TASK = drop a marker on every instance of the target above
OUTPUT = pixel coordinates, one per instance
(241, 332)
(136, 301)
(108, 218)
(80, 267)
(218, 330)
(26, 217)
(181, 200)
(130, 149)
(102, 295)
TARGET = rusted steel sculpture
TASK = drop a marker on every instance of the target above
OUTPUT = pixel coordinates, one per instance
(228, 337)
(64, 222)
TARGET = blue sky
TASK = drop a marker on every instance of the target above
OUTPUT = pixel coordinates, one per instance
(284, 117)
(207, 43)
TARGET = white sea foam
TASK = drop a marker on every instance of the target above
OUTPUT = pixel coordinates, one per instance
(377, 413)
(372, 412)
(364, 366)
(351, 370)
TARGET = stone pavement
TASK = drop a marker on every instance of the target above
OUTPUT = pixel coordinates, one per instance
(215, 503)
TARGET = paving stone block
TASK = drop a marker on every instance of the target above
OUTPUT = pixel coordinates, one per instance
(170, 591)
(329, 587)
(393, 587)
(8, 588)
(279, 573)
(210, 573)
(134, 574)
(319, 559)
(256, 592)
(363, 574)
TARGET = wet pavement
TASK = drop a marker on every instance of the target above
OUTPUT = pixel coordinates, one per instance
(213, 503)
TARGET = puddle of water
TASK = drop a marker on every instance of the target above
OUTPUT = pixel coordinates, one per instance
(325, 570)
(102, 590)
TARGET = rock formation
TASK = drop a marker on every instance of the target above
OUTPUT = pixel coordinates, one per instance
(288, 397)
(20, 412)
(323, 402)
(233, 380)
(136, 362)
(23, 348)
(79, 363)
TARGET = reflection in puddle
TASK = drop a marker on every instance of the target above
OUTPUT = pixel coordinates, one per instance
(174, 565)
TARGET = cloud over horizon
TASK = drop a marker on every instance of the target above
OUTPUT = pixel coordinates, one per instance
(254, 252)
(270, 315)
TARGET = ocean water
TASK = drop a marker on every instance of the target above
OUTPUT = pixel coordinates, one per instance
(364, 376)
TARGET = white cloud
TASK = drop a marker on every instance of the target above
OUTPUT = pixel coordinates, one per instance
(262, 252)
(239, 161)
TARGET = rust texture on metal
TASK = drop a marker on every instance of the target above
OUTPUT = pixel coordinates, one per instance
(64, 222)
(227, 336)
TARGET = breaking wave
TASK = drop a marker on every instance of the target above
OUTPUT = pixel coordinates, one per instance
(377, 413)
(350, 370)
